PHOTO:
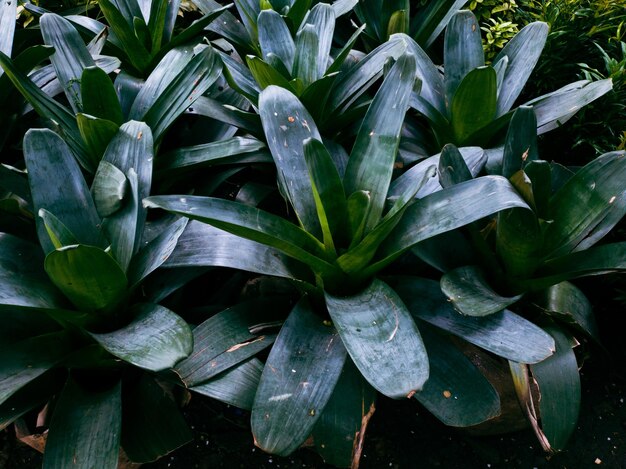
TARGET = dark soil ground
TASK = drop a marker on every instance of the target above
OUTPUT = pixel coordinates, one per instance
(404, 435)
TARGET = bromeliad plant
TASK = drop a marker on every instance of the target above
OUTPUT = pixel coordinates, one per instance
(528, 256)
(346, 235)
(77, 334)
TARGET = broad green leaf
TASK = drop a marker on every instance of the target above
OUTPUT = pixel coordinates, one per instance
(121, 227)
(578, 210)
(98, 95)
(343, 54)
(559, 386)
(110, 188)
(85, 428)
(127, 87)
(328, 193)
(8, 13)
(28, 359)
(322, 18)
(371, 160)
(287, 124)
(154, 253)
(48, 158)
(398, 23)
(245, 121)
(137, 53)
(236, 386)
(25, 61)
(506, 334)
(433, 215)
(285, 409)
(235, 149)
(225, 339)
(522, 53)
(251, 223)
(156, 24)
(275, 37)
(431, 21)
(470, 292)
(358, 205)
(249, 11)
(148, 435)
(229, 26)
(456, 392)
(382, 339)
(181, 77)
(520, 145)
(305, 66)
(569, 304)
(463, 50)
(474, 103)
(155, 339)
(342, 7)
(340, 431)
(540, 175)
(240, 78)
(88, 276)
(452, 167)
(50, 109)
(96, 133)
(519, 241)
(70, 58)
(266, 75)
(204, 245)
(58, 232)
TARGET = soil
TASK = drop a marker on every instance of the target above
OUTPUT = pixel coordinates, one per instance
(404, 435)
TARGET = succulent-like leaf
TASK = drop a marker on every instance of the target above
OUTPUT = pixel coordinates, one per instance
(474, 103)
(48, 158)
(452, 167)
(285, 408)
(266, 75)
(520, 145)
(558, 379)
(85, 428)
(58, 232)
(463, 50)
(382, 339)
(8, 13)
(506, 334)
(98, 95)
(470, 293)
(432, 19)
(88, 276)
(110, 188)
(275, 37)
(155, 339)
(322, 18)
(96, 133)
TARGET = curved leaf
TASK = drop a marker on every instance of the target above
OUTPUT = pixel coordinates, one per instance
(156, 339)
(300, 374)
(275, 37)
(8, 13)
(98, 95)
(96, 133)
(110, 189)
(474, 103)
(382, 339)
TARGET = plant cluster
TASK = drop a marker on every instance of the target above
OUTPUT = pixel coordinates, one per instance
(252, 207)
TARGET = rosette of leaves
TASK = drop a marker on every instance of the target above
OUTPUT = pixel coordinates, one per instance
(526, 258)
(350, 333)
(77, 333)
(96, 105)
(472, 103)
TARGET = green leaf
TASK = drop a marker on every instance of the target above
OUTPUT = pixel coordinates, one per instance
(266, 75)
(148, 435)
(156, 338)
(275, 37)
(58, 232)
(98, 95)
(70, 58)
(287, 124)
(25, 61)
(156, 23)
(50, 109)
(581, 207)
(305, 66)
(463, 50)
(328, 193)
(137, 53)
(519, 241)
(28, 359)
(226, 339)
(470, 293)
(433, 215)
(236, 386)
(520, 145)
(340, 430)
(152, 255)
(382, 339)
(88, 276)
(181, 77)
(506, 334)
(522, 53)
(474, 103)
(249, 11)
(456, 392)
(85, 428)
(322, 19)
(285, 410)
(245, 121)
(433, 19)
(343, 54)
(559, 384)
(96, 133)
(358, 205)
(398, 23)
(8, 13)
(204, 245)
(540, 174)
(371, 160)
(110, 189)
(251, 223)
(452, 167)
(48, 158)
